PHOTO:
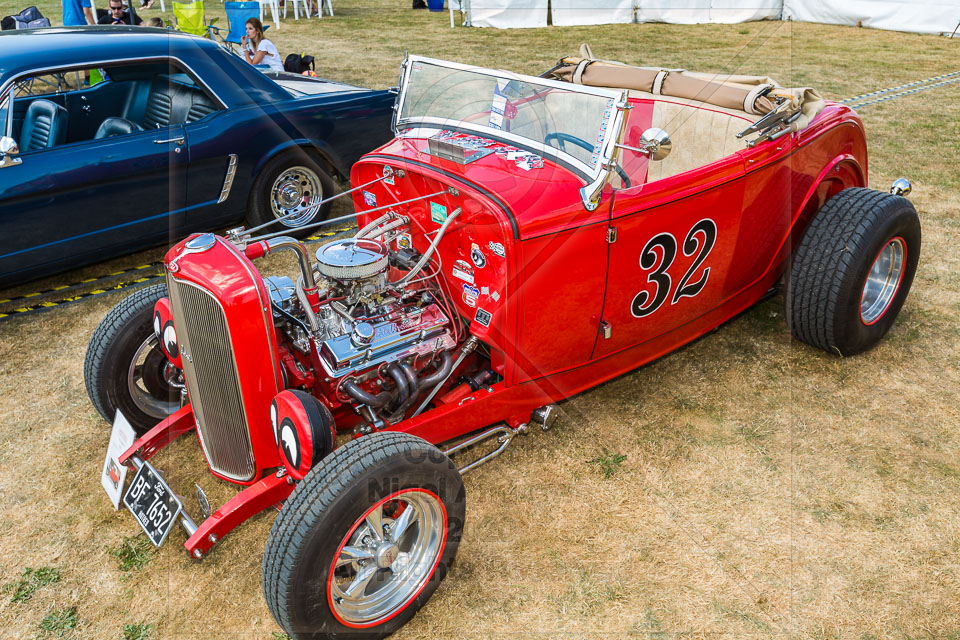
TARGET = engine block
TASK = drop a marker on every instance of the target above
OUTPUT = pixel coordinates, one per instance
(418, 332)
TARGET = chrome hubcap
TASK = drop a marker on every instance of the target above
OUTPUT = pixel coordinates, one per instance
(387, 557)
(295, 196)
(883, 281)
(140, 366)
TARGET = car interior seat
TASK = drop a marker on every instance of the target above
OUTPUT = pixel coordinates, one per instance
(164, 102)
(116, 127)
(44, 126)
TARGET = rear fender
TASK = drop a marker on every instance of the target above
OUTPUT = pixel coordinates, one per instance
(843, 172)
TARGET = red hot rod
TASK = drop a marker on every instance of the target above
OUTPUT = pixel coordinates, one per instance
(521, 239)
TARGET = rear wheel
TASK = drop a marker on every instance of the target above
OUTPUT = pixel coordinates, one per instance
(852, 271)
(289, 190)
(126, 369)
(365, 539)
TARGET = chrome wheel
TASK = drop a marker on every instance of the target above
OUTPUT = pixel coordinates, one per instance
(149, 380)
(883, 281)
(295, 196)
(387, 557)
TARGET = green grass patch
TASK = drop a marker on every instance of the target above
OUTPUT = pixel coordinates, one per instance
(608, 462)
(31, 580)
(59, 622)
(139, 631)
(133, 553)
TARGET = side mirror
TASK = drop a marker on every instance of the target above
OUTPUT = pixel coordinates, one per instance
(8, 149)
(654, 143)
(8, 146)
(657, 143)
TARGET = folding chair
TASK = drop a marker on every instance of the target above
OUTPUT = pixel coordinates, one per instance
(296, 8)
(237, 15)
(190, 17)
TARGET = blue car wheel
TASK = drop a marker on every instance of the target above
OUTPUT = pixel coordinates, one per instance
(289, 190)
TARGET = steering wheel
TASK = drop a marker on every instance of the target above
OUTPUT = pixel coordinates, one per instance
(563, 137)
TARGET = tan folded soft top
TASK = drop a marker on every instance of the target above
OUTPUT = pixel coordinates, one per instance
(737, 92)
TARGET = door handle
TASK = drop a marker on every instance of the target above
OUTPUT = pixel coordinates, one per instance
(178, 140)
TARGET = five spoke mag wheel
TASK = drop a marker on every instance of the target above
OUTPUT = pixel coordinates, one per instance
(387, 556)
(852, 270)
(364, 539)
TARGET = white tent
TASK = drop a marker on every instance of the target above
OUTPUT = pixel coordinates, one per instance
(921, 16)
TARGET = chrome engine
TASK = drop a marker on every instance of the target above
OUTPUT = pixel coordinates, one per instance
(366, 326)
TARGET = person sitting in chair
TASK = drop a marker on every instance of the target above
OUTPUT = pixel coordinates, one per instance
(119, 15)
(259, 50)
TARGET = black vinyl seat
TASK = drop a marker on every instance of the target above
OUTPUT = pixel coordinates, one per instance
(116, 127)
(44, 126)
(163, 103)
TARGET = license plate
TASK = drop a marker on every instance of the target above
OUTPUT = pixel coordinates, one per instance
(152, 503)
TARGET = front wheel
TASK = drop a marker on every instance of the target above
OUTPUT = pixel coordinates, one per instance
(126, 369)
(852, 270)
(364, 539)
(289, 190)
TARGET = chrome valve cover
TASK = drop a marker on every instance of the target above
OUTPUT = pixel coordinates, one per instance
(422, 332)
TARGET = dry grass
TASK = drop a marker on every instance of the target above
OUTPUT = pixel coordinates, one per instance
(768, 489)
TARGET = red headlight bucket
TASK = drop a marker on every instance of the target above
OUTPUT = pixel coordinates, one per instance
(303, 429)
(166, 333)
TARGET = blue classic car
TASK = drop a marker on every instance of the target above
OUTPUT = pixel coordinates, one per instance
(115, 139)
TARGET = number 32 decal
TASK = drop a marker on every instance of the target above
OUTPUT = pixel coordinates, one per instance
(700, 240)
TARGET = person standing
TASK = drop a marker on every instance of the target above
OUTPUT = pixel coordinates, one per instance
(77, 13)
(259, 50)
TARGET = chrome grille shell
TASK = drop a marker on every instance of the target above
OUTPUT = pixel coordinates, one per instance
(211, 375)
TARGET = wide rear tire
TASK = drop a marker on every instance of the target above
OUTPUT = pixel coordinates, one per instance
(852, 271)
(365, 539)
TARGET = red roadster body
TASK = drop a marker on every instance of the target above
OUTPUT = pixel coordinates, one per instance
(520, 240)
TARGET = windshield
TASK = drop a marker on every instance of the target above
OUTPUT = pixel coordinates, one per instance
(571, 122)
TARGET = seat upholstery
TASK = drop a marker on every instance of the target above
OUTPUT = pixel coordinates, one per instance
(116, 127)
(700, 133)
(159, 106)
(44, 126)
(162, 103)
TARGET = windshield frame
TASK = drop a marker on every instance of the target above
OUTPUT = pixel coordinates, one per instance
(585, 171)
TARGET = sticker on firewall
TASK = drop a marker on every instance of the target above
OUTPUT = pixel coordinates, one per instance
(404, 241)
(438, 213)
(483, 317)
(370, 199)
(495, 296)
(497, 249)
(461, 269)
(477, 256)
(470, 294)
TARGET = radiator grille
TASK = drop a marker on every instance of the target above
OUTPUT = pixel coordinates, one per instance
(212, 381)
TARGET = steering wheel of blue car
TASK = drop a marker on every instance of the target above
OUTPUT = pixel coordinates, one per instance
(563, 137)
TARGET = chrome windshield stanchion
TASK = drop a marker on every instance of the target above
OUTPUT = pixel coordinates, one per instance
(610, 156)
